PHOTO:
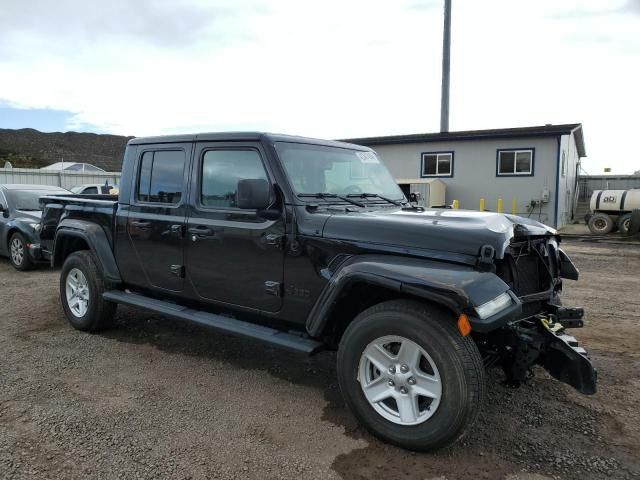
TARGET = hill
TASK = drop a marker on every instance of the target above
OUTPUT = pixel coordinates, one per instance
(29, 148)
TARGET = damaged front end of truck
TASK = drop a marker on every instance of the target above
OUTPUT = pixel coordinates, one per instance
(534, 267)
(503, 272)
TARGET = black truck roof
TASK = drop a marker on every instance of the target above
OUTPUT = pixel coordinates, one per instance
(241, 136)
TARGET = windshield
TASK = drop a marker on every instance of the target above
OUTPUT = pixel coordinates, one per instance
(29, 199)
(341, 171)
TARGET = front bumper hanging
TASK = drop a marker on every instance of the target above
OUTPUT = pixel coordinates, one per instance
(542, 340)
(565, 360)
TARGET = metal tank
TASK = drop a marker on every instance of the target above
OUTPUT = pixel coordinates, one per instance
(611, 209)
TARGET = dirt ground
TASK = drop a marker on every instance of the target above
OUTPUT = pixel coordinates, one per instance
(157, 399)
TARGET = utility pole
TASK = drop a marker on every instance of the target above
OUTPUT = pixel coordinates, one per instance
(446, 61)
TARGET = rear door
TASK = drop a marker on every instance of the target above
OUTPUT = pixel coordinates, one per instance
(233, 256)
(157, 215)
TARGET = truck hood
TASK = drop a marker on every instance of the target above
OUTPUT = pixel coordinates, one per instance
(461, 232)
(28, 215)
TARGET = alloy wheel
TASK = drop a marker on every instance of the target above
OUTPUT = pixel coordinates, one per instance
(77, 292)
(17, 251)
(400, 380)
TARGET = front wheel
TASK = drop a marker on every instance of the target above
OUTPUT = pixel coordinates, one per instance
(81, 289)
(19, 252)
(409, 376)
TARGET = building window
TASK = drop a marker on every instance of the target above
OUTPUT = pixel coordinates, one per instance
(437, 164)
(564, 164)
(515, 162)
(161, 174)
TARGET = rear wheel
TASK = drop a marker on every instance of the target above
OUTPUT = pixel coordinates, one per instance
(81, 289)
(409, 376)
(19, 252)
(601, 224)
(624, 223)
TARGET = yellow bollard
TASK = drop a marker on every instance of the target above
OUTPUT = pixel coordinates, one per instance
(482, 204)
(499, 205)
(456, 205)
(514, 206)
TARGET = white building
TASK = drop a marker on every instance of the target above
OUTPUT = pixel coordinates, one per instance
(536, 166)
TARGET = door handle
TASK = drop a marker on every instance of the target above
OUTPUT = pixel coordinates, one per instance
(274, 239)
(177, 230)
(201, 231)
(140, 225)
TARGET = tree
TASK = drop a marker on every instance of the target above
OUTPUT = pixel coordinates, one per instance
(18, 160)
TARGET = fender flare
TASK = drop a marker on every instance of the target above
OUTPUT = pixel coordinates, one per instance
(456, 287)
(95, 236)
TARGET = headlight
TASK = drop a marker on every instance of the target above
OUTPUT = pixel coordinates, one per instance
(492, 307)
(35, 226)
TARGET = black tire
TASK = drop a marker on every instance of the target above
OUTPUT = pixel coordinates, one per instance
(634, 225)
(456, 357)
(99, 313)
(601, 224)
(624, 223)
(23, 261)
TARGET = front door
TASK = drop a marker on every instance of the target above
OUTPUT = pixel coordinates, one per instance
(156, 222)
(232, 255)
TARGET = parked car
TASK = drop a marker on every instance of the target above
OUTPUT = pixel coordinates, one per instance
(95, 189)
(309, 244)
(20, 222)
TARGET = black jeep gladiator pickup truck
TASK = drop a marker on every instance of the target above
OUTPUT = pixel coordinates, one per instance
(310, 244)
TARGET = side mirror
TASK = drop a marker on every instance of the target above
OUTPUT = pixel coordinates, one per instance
(3, 210)
(253, 194)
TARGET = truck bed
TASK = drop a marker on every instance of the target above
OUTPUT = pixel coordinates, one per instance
(99, 209)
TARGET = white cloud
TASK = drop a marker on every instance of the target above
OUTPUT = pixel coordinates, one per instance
(328, 69)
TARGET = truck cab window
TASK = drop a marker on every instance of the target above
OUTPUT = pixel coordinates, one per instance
(221, 170)
(161, 174)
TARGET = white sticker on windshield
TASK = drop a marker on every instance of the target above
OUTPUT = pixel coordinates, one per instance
(368, 157)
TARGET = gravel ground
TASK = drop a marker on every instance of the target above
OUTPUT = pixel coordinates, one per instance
(154, 399)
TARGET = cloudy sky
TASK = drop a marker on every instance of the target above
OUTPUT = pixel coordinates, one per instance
(335, 68)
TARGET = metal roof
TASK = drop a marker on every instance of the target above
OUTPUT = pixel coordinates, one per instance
(72, 166)
(537, 131)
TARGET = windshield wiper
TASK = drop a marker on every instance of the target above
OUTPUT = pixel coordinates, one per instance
(367, 195)
(331, 195)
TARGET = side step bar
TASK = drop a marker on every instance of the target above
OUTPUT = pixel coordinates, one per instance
(217, 322)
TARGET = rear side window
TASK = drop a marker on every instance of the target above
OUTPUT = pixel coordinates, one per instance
(91, 190)
(160, 177)
(221, 170)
